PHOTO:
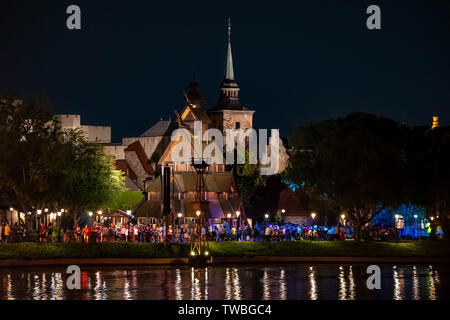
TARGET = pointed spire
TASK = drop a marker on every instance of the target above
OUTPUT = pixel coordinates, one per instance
(229, 74)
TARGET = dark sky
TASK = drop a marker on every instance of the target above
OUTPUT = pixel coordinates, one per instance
(295, 61)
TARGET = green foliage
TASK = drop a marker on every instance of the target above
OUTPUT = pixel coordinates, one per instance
(125, 200)
(355, 163)
(44, 166)
(428, 181)
(90, 180)
(248, 179)
(278, 217)
(223, 249)
(30, 153)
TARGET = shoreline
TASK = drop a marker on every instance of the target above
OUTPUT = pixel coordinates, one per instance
(10, 263)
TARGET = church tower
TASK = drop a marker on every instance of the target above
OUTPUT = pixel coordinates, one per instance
(229, 113)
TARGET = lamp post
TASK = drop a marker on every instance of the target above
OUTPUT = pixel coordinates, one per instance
(415, 226)
(59, 227)
(313, 216)
(198, 215)
(11, 210)
(343, 219)
(179, 218)
(238, 221)
(38, 220)
(90, 216)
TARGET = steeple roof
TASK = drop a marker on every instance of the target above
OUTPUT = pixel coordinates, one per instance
(229, 89)
(229, 73)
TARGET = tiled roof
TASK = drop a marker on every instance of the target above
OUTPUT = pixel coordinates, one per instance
(161, 128)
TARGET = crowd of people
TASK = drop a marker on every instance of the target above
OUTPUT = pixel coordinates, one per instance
(183, 233)
(154, 233)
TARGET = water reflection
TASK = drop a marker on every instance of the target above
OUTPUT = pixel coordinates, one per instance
(291, 281)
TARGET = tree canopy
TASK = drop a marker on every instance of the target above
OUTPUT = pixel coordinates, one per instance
(356, 162)
(43, 166)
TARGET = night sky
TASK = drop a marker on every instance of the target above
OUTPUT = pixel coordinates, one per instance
(295, 61)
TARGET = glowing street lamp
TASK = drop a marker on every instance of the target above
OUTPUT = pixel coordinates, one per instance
(283, 211)
(99, 211)
(129, 212)
(342, 216)
(396, 216)
(415, 216)
(39, 211)
(229, 215)
(266, 216)
(313, 215)
(179, 218)
(238, 213)
(59, 213)
(62, 210)
(45, 210)
(11, 209)
(90, 213)
(432, 218)
(197, 213)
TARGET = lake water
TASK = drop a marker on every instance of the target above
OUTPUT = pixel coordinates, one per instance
(222, 282)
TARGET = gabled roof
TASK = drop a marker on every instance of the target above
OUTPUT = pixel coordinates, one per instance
(194, 113)
(161, 128)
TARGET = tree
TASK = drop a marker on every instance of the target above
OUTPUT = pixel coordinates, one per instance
(89, 180)
(248, 179)
(356, 163)
(30, 151)
(429, 175)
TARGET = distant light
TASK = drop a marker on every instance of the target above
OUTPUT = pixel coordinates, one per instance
(128, 212)
(59, 213)
(206, 253)
(180, 214)
(432, 218)
(99, 211)
(90, 213)
(313, 215)
(238, 213)
(342, 216)
(266, 216)
(45, 210)
(229, 215)
(198, 213)
(192, 253)
(39, 211)
(415, 216)
(283, 211)
(62, 210)
(11, 209)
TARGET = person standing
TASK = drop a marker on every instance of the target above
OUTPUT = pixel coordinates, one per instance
(42, 233)
(50, 233)
(7, 232)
